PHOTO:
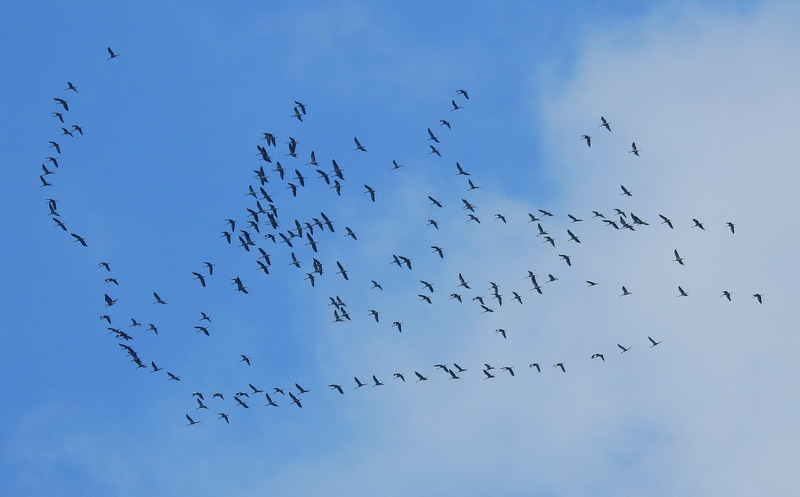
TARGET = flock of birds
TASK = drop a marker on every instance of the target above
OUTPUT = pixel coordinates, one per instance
(261, 233)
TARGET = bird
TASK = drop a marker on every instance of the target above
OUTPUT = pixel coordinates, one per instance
(624, 349)
(665, 220)
(158, 299)
(200, 404)
(434, 150)
(301, 106)
(726, 294)
(244, 358)
(199, 277)
(191, 421)
(297, 114)
(464, 93)
(420, 377)
(155, 368)
(173, 377)
(560, 365)
(431, 136)
(398, 325)
(509, 369)
(594, 356)
(501, 331)
(588, 139)
(111, 53)
(342, 271)
(79, 239)
(77, 128)
(573, 219)
(461, 170)
(270, 402)
(604, 123)
(109, 300)
(566, 259)
(295, 400)
(682, 293)
(375, 284)
(59, 115)
(359, 146)
(337, 388)
(427, 285)
(300, 389)
(500, 217)
(224, 416)
(625, 191)
(653, 342)
(572, 237)
(488, 374)
(677, 258)
(758, 297)
(443, 122)
(730, 226)
(371, 192)
(62, 103)
(697, 224)
(56, 146)
(375, 381)
(625, 292)
(635, 151)
(455, 105)
(535, 365)
(204, 317)
(591, 283)
(400, 376)
(359, 383)
(438, 250)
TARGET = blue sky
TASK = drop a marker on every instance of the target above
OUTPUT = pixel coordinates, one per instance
(707, 90)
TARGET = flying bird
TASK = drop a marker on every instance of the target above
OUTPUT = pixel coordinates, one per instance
(63, 104)
(111, 53)
(653, 342)
(158, 299)
(78, 239)
(677, 258)
(635, 151)
(371, 192)
(358, 145)
(588, 139)
(604, 123)
(191, 421)
(624, 349)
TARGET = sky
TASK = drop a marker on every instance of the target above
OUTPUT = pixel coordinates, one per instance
(171, 126)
